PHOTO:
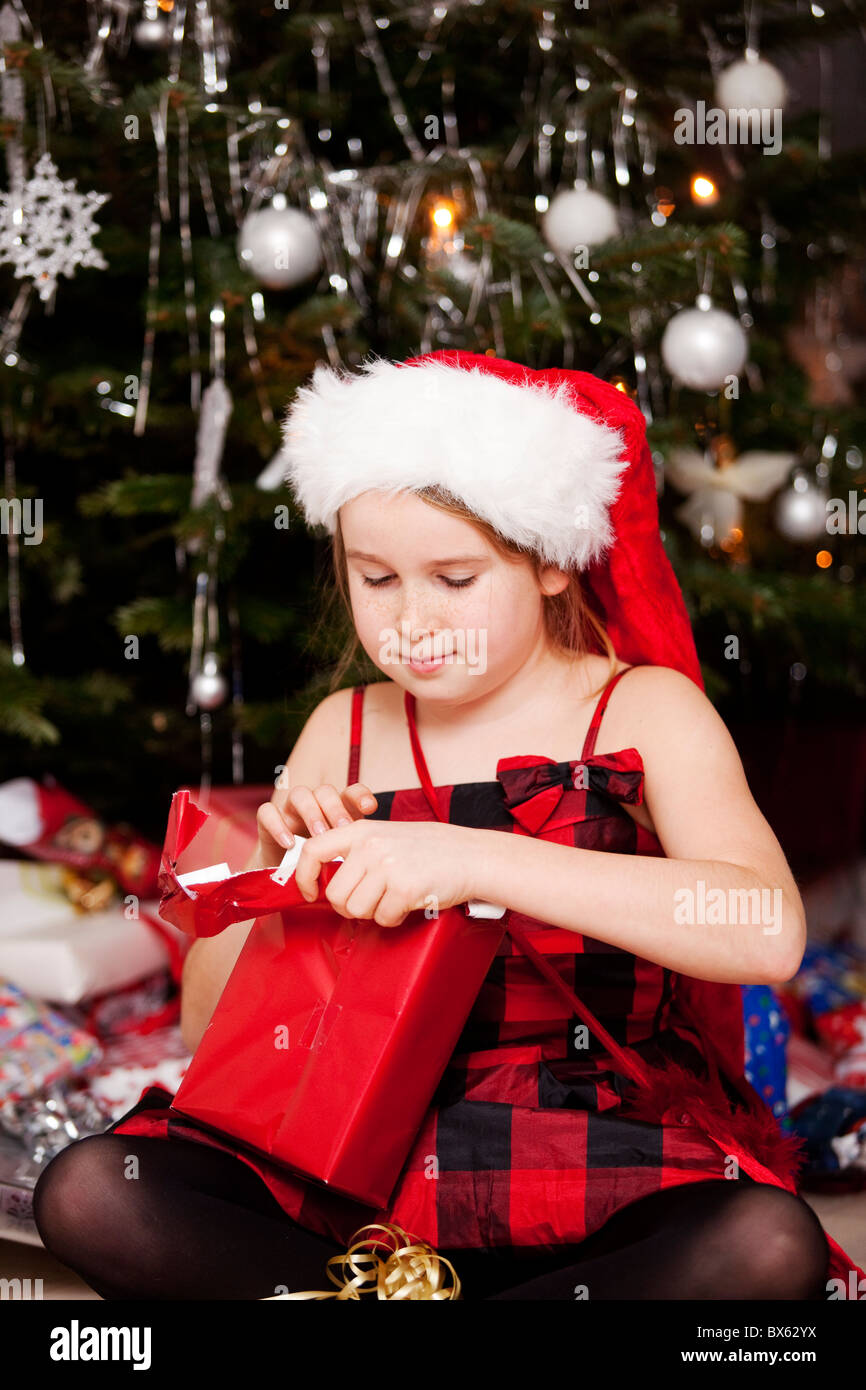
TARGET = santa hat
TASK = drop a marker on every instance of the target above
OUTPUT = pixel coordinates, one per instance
(556, 461)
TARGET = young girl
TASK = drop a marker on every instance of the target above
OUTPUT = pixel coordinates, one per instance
(540, 740)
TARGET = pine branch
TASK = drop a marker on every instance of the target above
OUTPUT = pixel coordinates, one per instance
(136, 493)
(23, 697)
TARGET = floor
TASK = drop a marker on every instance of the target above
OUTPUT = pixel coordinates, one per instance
(844, 1217)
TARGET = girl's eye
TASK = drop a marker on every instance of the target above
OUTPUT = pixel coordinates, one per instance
(452, 583)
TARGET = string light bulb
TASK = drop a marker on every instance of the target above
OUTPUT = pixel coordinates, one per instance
(704, 191)
(732, 541)
(665, 204)
(443, 215)
(443, 238)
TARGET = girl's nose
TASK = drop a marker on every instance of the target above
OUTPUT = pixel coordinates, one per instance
(417, 630)
(419, 616)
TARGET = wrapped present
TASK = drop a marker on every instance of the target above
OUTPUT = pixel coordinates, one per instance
(56, 1116)
(766, 1037)
(331, 1034)
(145, 1007)
(38, 1046)
(850, 1069)
(46, 822)
(833, 1126)
(830, 977)
(132, 1063)
(840, 1030)
(57, 949)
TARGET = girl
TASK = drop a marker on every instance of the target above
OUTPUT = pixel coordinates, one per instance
(496, 537)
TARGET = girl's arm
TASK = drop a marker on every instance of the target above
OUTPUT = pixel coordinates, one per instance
(722, 906)
(210, 960)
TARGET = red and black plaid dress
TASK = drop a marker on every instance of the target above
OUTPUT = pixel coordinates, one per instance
(525, 1143)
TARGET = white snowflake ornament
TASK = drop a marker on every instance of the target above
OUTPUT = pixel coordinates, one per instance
(47, 228)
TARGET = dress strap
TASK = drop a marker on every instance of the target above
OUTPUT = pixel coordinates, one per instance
(592, 731)
(355, 735)
(420, 761)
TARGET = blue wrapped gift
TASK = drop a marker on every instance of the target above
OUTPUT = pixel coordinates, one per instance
(767, 1030)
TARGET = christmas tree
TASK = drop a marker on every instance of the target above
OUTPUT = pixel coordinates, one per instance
(201, 202)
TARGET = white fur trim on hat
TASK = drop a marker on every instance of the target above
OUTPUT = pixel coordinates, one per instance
(522, 457)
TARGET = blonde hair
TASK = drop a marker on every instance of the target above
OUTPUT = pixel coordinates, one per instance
(571, 624)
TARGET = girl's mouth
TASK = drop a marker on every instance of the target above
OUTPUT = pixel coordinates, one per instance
(425, 664)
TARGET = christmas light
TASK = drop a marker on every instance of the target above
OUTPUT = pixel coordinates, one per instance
(443, 215)
(665, 204)
(704, 190)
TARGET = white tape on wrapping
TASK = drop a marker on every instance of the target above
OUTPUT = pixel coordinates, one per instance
(214, 873)
(289, 862)
(476, 907)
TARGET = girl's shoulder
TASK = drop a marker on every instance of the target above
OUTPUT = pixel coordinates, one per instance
(661, 680)
(322, 747)
(313, 757)
(651, 702)
(379, 697)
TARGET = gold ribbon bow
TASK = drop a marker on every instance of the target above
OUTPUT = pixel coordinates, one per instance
(409, 1269)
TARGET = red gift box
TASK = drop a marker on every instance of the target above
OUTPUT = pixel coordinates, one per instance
(332, 1033)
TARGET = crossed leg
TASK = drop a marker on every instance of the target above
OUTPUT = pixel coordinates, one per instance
(188, 1221)
(713, 1239)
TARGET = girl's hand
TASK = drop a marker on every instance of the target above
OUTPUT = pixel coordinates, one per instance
(392, 868)
(302, 811)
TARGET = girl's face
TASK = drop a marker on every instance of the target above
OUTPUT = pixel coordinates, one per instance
(436, 607)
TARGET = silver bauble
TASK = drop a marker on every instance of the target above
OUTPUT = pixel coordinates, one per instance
(209, 688)
(462, 267)
(703, 346)
(151, 33)
(801, 511)
(751, 84)
(280, 246)
(578, 217)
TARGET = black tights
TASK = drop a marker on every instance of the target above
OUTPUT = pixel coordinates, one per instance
(146, 1218)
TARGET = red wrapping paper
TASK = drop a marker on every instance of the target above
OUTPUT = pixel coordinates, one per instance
(332, 1033)
(208, 908)
(230, 831)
